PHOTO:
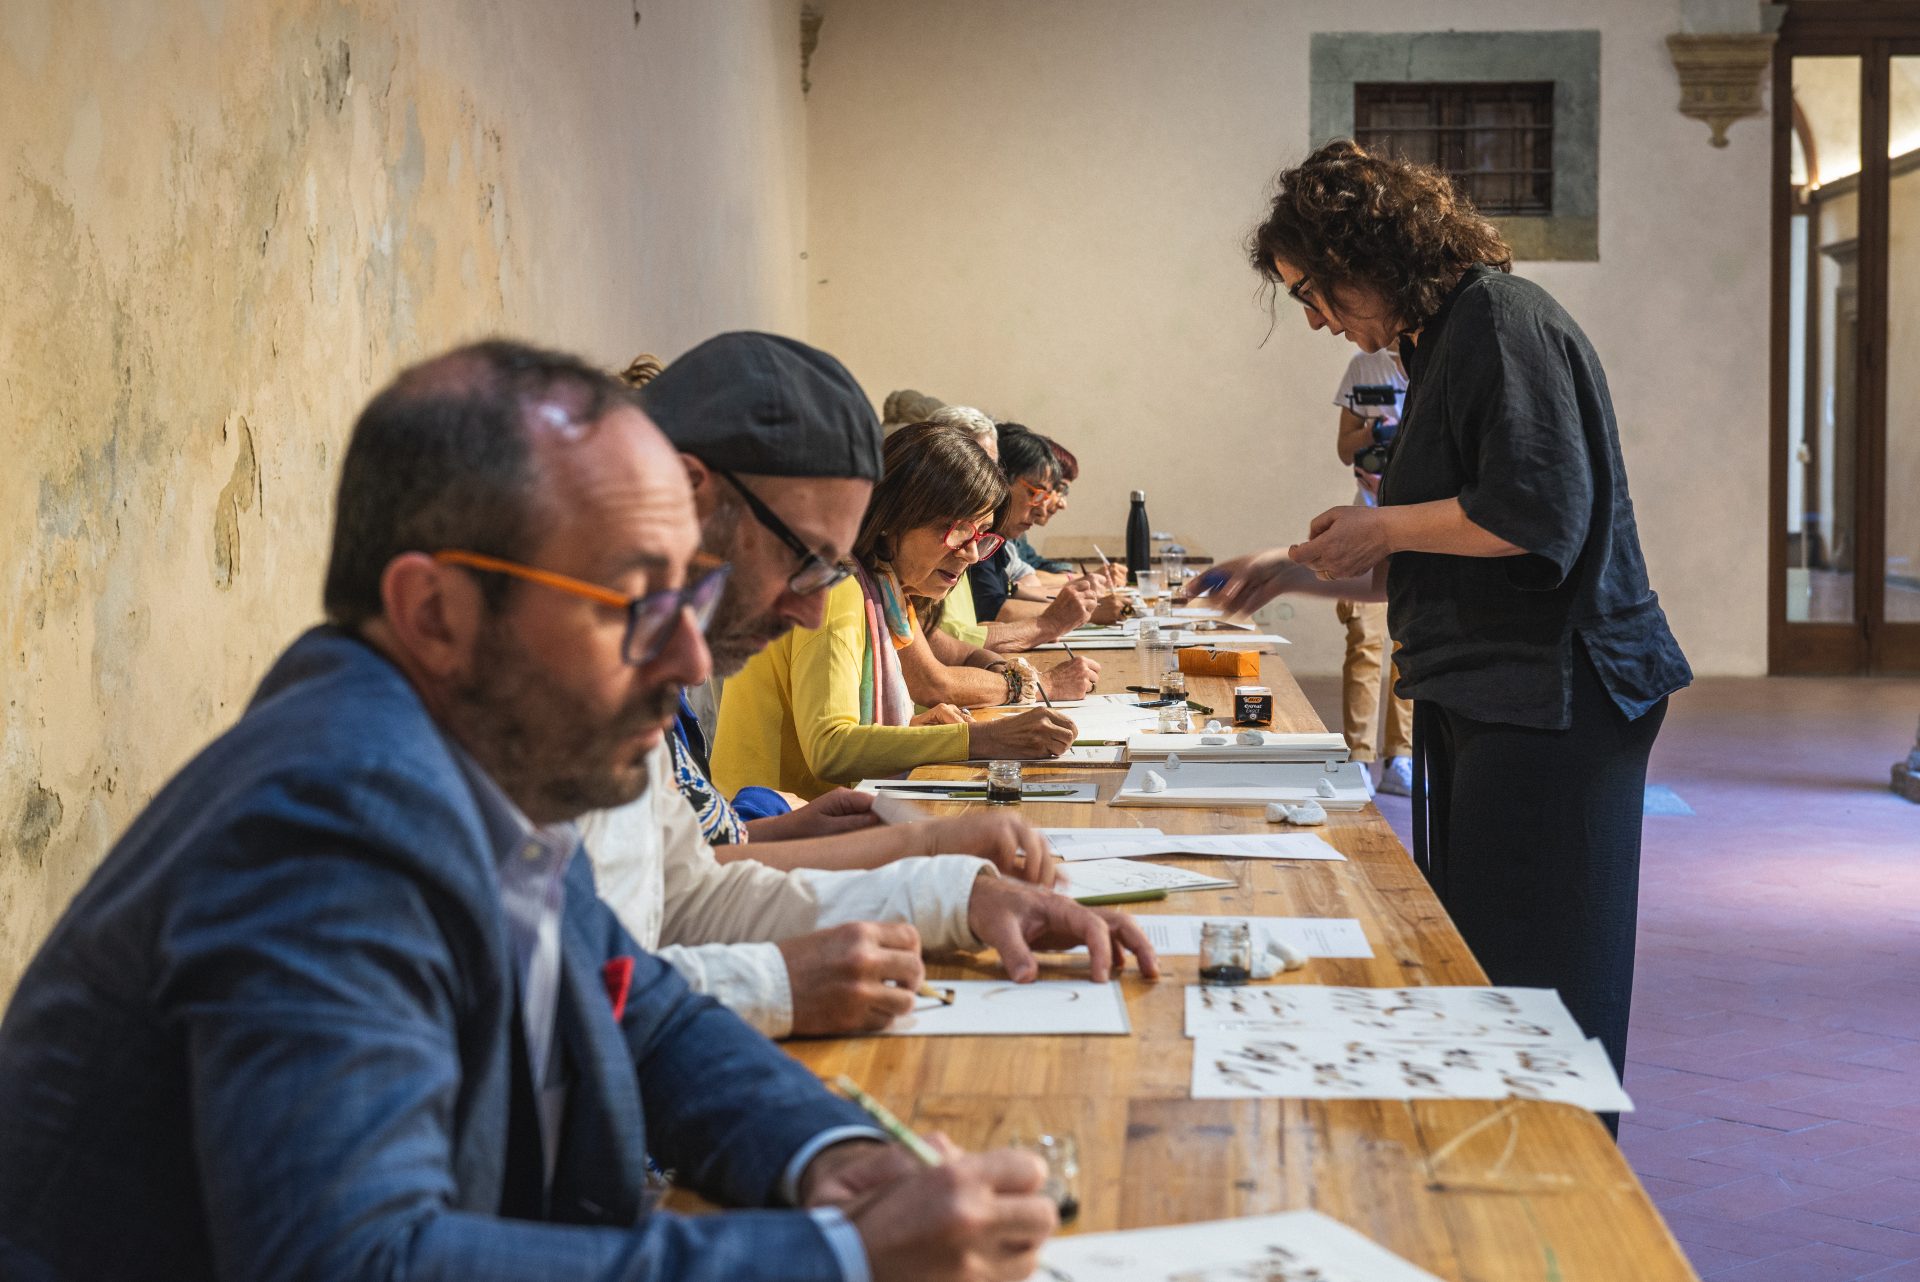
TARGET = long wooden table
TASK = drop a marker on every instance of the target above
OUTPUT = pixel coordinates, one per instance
(1487, 1191)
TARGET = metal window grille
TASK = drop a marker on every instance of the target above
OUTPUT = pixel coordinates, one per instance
(1494, 140)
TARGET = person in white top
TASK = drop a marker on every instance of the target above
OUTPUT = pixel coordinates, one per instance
(797, 949)
(1370, 398)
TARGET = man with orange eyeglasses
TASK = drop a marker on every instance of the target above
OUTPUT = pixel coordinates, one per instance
(343, 1002)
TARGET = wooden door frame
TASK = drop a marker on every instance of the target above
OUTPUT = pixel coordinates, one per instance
(1874, 31)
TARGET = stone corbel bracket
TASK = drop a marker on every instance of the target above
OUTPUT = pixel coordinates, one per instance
(1721, 76)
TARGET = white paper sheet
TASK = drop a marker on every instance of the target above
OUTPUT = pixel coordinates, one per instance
(1037, 791)
(1287, 1065)
(1154, 746)
(1090, 641)
(1298, 1246)
(1510, 1016)
(1226, 639)
(1109, 722)
(1245, 783)
(1096, 700)
(996, 1007)
(1067, 840)
(1178, 934)
(1117, 876)
(1180, 639)
(1131, 843)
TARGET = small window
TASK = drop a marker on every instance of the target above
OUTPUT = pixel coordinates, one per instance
(1494, 140)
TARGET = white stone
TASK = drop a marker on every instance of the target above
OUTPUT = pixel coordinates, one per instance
(1291, 958)
(1325, 788)
(1252, 738)
(1308, 814)
(1277, 812)
(1214, 726)
(1173, 761)
(1213, 740)
(1153, 783)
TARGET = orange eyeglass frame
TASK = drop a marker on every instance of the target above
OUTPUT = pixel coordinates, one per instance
(564, 582)
(700, 595)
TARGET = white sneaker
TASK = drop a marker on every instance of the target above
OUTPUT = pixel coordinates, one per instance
(1397, 778)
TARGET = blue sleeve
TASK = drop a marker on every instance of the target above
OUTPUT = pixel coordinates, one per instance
(324, 994)
(759, 803)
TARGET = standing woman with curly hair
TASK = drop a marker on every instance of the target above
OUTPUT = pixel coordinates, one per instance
(1536, 654)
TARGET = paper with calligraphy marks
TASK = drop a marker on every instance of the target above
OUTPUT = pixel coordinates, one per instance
(1299, 1246)
(1139, 843)
(994, 1007)
(1507, 1016)
(1287, 1065)
(1119, 876)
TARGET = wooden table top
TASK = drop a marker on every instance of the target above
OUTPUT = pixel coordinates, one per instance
(1492, 1191)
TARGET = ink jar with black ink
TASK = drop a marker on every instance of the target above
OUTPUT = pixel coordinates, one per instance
(1226, 953)
(1003, 783)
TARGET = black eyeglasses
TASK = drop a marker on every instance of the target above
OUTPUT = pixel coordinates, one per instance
(1298, 293)
(816, 573)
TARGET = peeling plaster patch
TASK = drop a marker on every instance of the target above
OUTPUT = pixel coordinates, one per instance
(336, 76)
(37, 820)
(28, 28)
(235, 498)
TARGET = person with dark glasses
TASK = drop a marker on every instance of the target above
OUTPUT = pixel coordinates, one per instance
(780, 451)
(833, 703)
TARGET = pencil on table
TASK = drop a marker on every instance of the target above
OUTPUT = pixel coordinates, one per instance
(942, 995)
(887, 1121)
(1122, 897)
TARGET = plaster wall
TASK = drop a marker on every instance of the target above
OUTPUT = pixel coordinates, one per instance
(1040, 208)
(222, 225)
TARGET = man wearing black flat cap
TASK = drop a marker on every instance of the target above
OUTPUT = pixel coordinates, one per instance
(782, 450)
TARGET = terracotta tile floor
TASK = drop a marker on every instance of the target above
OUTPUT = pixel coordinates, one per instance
(1775, 1051)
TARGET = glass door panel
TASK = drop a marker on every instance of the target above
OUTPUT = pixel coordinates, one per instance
(1901, 470)
(1823, 340)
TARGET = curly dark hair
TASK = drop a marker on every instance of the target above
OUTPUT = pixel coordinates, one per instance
(1347, 217)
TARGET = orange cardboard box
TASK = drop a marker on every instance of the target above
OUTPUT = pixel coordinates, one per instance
(1200, 661)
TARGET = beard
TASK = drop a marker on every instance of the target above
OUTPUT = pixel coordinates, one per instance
(552, 753)
(734, 636)
(733, 639)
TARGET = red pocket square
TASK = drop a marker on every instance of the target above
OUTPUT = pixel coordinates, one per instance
(617, 975)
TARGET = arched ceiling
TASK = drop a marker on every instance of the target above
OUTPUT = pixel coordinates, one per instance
(1827, 91)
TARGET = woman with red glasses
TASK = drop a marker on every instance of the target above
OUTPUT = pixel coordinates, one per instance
(834, 704)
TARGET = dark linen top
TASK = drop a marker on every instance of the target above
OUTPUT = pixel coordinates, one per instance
(1507, 410)
(990, 587)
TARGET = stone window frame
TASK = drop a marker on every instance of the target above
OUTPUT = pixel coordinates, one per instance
(1570, 59)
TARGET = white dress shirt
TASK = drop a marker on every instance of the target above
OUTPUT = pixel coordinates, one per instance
(719, 924)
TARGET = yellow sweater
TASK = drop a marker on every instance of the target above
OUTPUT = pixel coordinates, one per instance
(791, 718)
(957, 618)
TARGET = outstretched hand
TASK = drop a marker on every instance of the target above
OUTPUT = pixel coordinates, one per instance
(1245, 583)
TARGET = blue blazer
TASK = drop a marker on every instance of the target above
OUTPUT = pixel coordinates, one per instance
(276, 1037)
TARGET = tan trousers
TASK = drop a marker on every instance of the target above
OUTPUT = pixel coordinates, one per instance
(1360, 685)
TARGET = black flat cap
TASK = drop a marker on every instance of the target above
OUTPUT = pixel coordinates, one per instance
(763, 405)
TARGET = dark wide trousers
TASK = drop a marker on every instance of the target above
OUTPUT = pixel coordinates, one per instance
(1531, 839)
